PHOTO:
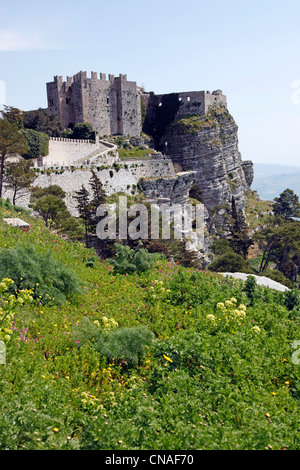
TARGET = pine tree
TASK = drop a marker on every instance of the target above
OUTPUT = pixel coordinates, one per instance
(287, 204)
(18, 177)
(239, 238)
(98, 198)
(84, 209)
(49, 204)
(280, 244)
(11, 142)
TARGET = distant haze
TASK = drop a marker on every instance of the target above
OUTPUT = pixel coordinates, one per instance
(270, 180)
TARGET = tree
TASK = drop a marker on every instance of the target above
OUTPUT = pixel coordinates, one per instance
(239, 238)
(83, 130)
(37, 142)
(12, 142)
(72, 227)
(53, 190)
(287, 204)
(49, 204)
(98, 193)
(98, 198)
(84, 209)
(18, 177)
(42, 121)
(13, 115)
(280, 244)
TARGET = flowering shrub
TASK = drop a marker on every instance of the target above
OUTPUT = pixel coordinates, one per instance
(8, 306)
(106, 323)
(229, 316)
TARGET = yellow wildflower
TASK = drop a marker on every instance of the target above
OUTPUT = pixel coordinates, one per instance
(220, 305)
(210, 317)
(256, 329)
(167, 358)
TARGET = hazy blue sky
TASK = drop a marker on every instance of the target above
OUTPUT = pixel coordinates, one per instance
(250, 50)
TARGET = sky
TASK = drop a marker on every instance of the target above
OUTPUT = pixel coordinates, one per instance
(249, 50)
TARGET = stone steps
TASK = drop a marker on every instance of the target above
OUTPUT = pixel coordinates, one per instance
(101, 149)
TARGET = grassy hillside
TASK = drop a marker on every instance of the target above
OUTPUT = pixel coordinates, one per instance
(173, 358)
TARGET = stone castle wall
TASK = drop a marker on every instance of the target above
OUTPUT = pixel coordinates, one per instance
(124, 177)
(190, 103)
(112, 106)
(67, 152)
(163, 110)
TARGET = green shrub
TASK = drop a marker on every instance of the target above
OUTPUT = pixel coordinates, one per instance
(250, 288)
(127, 260)
(49, 279)
(126, 346)
(292, 299)
(230, 262)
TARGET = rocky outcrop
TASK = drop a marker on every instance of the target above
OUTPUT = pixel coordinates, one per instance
(249, 171)
(208, 145)
(174, 189)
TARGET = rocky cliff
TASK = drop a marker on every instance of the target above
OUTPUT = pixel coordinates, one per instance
(208, 145)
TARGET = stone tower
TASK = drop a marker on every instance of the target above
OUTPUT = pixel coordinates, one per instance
(111, 105)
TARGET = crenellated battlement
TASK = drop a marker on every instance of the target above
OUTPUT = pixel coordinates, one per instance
(58, 79)
(111, 104)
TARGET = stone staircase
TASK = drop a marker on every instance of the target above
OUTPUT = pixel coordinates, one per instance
(68, 152)
(102, 149)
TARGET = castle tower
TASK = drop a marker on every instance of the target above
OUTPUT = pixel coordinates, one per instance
(111, 105)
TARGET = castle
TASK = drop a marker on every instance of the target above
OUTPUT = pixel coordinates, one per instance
(114, 105)
(194, 146)
(111, 105)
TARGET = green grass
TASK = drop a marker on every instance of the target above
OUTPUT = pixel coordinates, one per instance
(207, 381)
(192, 124)
(134, 153)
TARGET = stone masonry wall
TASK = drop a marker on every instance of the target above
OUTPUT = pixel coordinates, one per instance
(124, 177)
(112, 106)
(163, 110)
(67, 152)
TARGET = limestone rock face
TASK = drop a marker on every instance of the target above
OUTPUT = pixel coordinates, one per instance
(208, 145)
(249, 171)
(173, 189)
